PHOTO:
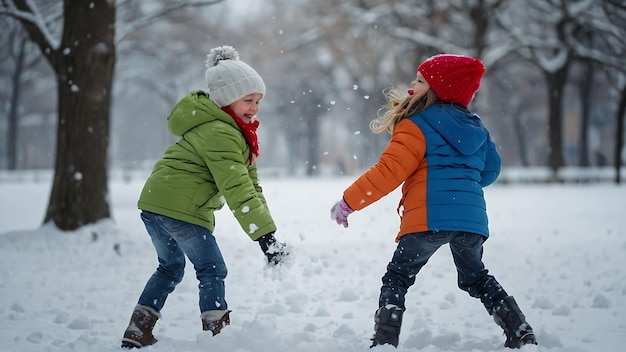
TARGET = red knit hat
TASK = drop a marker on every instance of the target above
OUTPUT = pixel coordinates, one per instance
(454, 78)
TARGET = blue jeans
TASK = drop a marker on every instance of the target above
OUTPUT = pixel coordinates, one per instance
(415, 249)
(173, 240)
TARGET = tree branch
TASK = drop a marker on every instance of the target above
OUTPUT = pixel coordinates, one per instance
(141, 22)
(28, 14)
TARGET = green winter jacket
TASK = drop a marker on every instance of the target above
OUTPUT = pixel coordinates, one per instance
(209, 165)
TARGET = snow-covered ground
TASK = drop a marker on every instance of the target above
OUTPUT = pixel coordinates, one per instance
(559, 249)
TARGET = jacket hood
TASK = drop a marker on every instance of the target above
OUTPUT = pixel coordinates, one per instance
(462, 129)
(195, 109)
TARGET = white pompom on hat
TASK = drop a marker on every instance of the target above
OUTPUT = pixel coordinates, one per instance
(228, 78)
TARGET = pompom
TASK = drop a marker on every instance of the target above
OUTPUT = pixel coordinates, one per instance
(224, 52)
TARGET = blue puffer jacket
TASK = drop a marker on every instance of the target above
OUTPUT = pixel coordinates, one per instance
(443, 156)
(461, 159)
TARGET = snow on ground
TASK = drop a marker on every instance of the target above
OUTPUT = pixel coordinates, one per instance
(559, 249)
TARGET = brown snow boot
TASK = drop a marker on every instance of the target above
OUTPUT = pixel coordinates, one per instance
(215, 320)
(507, 314)
(139, 331)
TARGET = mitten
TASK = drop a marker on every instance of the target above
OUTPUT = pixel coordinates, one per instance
(340, 211)
(274, 251)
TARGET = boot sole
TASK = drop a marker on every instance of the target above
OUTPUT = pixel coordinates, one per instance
(526, 339)
(380, 339)
(130, 344)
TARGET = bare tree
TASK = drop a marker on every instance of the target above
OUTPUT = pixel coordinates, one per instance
(542, 36)
(17, 54)
(408, 33)
(619, 131)
(549, 36)
(302, 100)
(83, 61)
(614, 43)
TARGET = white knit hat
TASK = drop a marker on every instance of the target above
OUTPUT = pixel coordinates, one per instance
(228, 78)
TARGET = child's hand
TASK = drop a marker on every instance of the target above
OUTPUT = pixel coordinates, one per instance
(340, 211)
(277, 253)
(274, 251)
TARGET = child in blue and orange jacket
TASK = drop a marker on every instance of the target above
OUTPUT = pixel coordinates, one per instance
(444, 156)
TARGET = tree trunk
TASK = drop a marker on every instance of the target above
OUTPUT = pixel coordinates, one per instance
(518, 131)
(481, 15)
(556, 85)
(16, 81)
(312, 123)
(619, 138)
(585, 101)
(84, 68)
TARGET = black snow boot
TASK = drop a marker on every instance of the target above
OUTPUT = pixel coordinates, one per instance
(507, 314)
(388, 321)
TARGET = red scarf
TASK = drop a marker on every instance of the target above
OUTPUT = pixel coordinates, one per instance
(249, 132)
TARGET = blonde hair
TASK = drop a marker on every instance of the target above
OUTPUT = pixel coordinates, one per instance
(400, 105)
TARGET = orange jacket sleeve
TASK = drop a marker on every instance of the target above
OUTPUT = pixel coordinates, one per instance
(398, 161)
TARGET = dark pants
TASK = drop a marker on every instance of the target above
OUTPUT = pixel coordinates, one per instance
(415, 249)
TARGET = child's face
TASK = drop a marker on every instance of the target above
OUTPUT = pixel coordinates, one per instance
(247, 107)
(419, 85)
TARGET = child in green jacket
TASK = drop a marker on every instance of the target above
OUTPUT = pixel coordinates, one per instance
(212, 163)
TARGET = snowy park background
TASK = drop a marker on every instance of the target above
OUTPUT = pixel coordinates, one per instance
(559, 249)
